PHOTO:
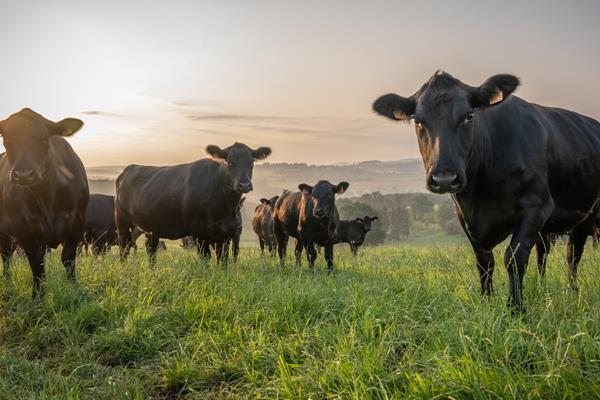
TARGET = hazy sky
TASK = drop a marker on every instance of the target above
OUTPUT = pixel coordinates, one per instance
(156, 83)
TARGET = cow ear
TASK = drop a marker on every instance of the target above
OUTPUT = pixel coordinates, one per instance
(395, 107)
(261, 153)
(66, 127)
(341, 187)
(264, 201)
(217, 152)
(273, 200)
(358, 219)
(304, 188)
(494, 90)
(373, 218)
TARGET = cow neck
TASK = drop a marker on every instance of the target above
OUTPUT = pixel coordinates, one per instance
(480, 156)
(231, 197)
(41, 195)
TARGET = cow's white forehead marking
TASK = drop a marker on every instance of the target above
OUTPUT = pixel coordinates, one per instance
(440, 72)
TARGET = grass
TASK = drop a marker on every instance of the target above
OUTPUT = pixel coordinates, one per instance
(395, 322)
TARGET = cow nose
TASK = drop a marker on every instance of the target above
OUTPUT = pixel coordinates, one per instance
(245, 187)
(22, 175)
(442, 182)
(318, 212)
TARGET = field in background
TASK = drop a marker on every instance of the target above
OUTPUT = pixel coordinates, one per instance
(395, 322)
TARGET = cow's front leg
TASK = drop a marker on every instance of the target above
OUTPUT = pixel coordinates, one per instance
(7, 248)
(485, 266)
(517, 254)
(311, 254)
(69, 252)
(577, 240)
(152, 240)
(329, 256)
(35, 255)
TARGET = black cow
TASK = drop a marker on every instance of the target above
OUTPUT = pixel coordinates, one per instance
(311, 217)
(222, 248)
(43, 191)
(353, 232)
(199, 199)
(512, 167)
(262, 224)
(100, 227)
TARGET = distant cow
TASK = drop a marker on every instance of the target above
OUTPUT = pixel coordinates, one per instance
(262, 224)
(512, 167)
(199, 199)
(311, 217)
(100, 227)
(43, 191)
(353, 232)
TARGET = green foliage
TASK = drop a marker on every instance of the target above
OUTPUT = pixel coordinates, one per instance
(394, 322)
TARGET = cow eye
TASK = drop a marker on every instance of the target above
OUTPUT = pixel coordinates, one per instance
(417, 123)
(468, 118)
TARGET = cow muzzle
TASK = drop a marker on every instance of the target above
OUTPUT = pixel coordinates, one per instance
(445, 182)
(318, 213)
(23, 177)
(244, 187)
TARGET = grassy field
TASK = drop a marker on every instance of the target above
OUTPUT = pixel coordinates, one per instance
(395, 322)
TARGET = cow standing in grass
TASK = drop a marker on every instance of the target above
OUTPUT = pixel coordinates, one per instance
(199, 199)
(512, 167)
(354, 232)
(262, 224)
(311, 217)
(43, 191)
(100, 227)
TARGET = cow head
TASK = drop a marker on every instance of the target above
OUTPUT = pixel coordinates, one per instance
(322, 196)
(366, 222)
(240, 163)
(269, 202)
(445, 115)
(26, 138)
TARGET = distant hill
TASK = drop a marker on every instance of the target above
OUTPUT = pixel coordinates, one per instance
(403, 176)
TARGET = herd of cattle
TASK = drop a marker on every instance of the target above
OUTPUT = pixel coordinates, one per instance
(513, 168)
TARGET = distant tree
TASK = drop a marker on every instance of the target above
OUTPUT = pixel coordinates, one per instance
(445, 217)
(399, 224)
(421, 205)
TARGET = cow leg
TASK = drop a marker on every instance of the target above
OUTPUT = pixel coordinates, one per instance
(542, 249)
(35, 255)
(517, 253)
(69, 252)
(329, 256)
(203, 249)
(577, 240)
(152, 240)
(261, 242)
(353, 249)
(311, 254)
(222, 252)
(124, 232)
(7, 248)
(281, 239)
(298, 252)
(485, 266)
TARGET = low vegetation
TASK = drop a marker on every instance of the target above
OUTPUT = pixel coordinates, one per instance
(394, 322)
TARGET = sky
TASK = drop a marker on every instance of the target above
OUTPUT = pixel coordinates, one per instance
(155, 82)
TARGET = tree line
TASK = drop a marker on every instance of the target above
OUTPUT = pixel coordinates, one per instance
(401, 213)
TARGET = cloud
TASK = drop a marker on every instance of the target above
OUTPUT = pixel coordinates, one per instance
(100, 113)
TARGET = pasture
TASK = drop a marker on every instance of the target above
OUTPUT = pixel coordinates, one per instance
(395, 322)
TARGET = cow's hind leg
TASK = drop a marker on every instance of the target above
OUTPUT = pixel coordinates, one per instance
(542, 249)
(311, 254)
(7, 248)
(575, 248)
(152, 240)
(282, 240)
(124, 232)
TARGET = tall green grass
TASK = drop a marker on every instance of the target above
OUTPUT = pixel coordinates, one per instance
(394, 322)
